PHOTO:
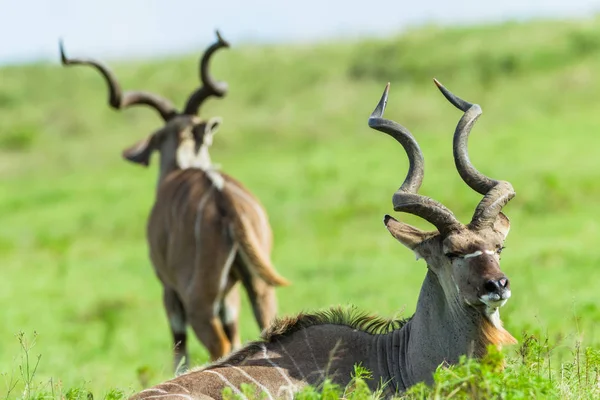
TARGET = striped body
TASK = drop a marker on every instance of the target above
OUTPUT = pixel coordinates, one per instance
(187, 223)
(309, 348)
(278, 369)
(200, 260)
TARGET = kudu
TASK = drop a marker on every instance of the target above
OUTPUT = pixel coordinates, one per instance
(206, 232)
(457, 309)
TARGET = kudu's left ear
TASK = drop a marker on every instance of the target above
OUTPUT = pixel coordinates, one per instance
(502, 224)
(212, 126)
(141, 151)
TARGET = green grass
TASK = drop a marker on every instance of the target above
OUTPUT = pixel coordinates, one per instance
(528, 374)
(74, 258)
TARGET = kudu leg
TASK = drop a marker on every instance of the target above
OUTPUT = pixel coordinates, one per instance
(209, 287)
(209, 329)
(229, 314)
(262, 295)
(264, 303)
(177, 322)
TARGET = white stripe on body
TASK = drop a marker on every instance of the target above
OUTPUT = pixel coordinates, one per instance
(226, 381)
(277, 367)
(176, 385)
(293, 361)
(198, 222)
(257, 383)
(175, 203)
(312, 354)
(224, 276)
(197, 229)
(227, 267)
(153, 390)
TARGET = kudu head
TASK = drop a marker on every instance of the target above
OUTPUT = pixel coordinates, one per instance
(185, 138)
(464, 258)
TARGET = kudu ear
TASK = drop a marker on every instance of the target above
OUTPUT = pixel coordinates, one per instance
(141, 151)
(212, 126)
(406, 234)
(502, 224)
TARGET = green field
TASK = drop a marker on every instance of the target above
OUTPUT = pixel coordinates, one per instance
(72, 244)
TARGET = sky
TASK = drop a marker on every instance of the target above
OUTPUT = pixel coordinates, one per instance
(29, 29)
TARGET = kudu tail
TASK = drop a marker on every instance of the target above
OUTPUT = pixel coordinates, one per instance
(252, 252)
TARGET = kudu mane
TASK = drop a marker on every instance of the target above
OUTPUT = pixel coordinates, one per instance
(284, 327)
(346, 316)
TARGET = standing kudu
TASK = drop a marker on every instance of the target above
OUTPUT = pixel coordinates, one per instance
(457, 310)
(206, 231)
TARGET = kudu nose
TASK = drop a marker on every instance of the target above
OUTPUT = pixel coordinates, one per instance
(497, 286)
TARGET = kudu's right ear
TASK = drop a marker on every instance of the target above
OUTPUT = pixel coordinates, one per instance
(141, 151)
(212, 126)
(406, 234)
(502, 224)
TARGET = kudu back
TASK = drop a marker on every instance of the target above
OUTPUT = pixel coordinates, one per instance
(206, 232)
(457, 309)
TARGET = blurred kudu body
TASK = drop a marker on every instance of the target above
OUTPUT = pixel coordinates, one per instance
(206, 232)
(457, 310)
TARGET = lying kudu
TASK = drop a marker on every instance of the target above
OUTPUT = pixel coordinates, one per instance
(206, 231)
(457, 311)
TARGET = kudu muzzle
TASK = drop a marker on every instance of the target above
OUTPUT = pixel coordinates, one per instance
(495, 287)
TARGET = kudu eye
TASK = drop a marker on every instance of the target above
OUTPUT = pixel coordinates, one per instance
(452, 256)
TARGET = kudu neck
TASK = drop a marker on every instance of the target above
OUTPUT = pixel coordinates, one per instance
(447, 322)
(166, 167)
(441, 330)
(168, 164)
